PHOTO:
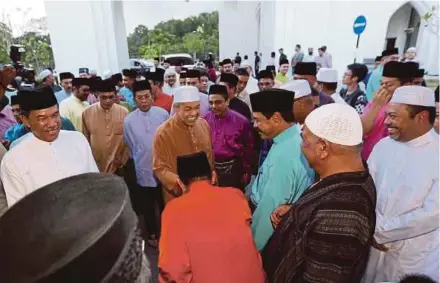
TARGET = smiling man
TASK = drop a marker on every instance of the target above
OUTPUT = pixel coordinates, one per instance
(184, 133)
(49, 154)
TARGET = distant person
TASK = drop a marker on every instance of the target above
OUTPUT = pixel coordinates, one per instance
(327, 83)
(376, 64)
(66, 82)
(297, 57)
(257, 62)
(374, 82)
(282, 56)
(73, 107)
(211, 70)
(245, 61)
(205, 83)
(156, 62)
(237, 59)
(171, 82)
(47, 78)
(166, 64)
(322, 60)
(271, 60)
(236, 66)
(227, 66)
(282, 75)
(410, 55)
(310, 57)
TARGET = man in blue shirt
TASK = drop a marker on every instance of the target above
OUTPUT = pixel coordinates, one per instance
(285, 173)
(376, 76)
(66, 82)
(128, 78)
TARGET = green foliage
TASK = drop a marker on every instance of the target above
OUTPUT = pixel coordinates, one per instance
(38, 48)
(193, 34)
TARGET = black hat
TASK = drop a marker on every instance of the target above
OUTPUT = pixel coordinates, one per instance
(64, 231)
(218, 89)
(378, 59)
(265, 74)
(182, 75)
(83, 70)
(81, 81)
(117, 77)
(38, 99)
(394, 69)
(192, 166)
(129, 73)
(158, 75)
(227, 61)
(141, 85)
(193, 73)
(392, 51)
(107, 85)
(66, 75)
(272, 100)
(229, 78)
(411, 69)
(94, 83)
(15, 99)
(284, 61)
(420, 73)
(270, 68)
(305, 68)
(436, 94)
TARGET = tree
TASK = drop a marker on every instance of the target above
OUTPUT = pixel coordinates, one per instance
(38, 52)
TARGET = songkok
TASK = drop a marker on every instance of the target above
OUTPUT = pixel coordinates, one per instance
(193, 166)
(389, 52)
(94, 83)
(66, 75)
(141, 85)
(227, 61)
(265, 74)
(193, 74)
(15, 99)
(55, 242)
(301, 88)
(117, 77)
(148, 75)
(411, 69)
(327, 75)
(337, 123)
(186, 94)
(182, 75)
(393, 70)
(270, 68)
(218, 89)
(107, 85)
(284, 61)
(378, 59)
(305, 68)
(83, 71)
(414, 95)
(44, 74)
(38, 99)
(81, 81)
(129, 73)
(229, 78)
(272, 100)
(436, 94)
(157, 76)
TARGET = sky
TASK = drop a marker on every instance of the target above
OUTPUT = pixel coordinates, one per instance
(148, 12)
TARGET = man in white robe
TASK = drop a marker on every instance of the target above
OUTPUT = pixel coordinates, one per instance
(405, 169)
(327, 83)
(48, 154)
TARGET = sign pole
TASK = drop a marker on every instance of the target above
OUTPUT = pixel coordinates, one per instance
(357, 47)
(359, 25)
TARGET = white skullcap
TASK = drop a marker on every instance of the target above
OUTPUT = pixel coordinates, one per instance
(327, 75)
(93, 72)
(336, 123)
(186, 94)
(414, 95)
(411, 49)
(170, 71)
(107, 74)
(300, 87)
(44, 74)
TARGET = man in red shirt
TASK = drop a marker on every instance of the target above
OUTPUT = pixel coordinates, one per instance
(202, 239)
(160, 99)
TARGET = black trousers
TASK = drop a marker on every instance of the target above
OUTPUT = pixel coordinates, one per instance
(148, 202)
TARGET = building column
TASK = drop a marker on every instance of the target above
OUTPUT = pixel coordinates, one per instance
(88, 34)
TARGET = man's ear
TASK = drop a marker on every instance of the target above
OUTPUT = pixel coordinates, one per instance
(25, 121)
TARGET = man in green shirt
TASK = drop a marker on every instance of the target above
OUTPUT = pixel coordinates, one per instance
(285, 173)
(282, 76)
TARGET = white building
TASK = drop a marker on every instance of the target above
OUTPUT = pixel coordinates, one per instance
(266, 26)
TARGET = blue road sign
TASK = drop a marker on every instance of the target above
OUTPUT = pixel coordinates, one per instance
(359, 25)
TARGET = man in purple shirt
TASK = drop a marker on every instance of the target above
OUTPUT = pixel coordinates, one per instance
(232, 139)
(7, 118)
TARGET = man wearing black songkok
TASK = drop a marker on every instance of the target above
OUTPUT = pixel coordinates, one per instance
(231, 81)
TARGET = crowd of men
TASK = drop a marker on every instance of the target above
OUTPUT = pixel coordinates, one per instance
(232, 178)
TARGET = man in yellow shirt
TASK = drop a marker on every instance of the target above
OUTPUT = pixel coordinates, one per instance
(73, 106)
(282, 74)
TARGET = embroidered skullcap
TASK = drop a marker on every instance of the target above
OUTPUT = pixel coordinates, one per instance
(337, 123)
(301, 88)
(327, 75)
(186, 94)
(414, 95)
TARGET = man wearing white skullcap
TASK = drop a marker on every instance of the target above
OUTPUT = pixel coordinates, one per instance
(171, 83)
(184, 133)
(330, 227)
(327, 82)
(405, 169)
(47, 78)
(303, 103)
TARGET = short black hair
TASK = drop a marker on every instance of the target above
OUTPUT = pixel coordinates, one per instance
(299, 46)
(287, 115)
(272, 54)
(416, 278)
(203, 74)
(330, 86)
(245, 57)
(416, 109)
(242, 72)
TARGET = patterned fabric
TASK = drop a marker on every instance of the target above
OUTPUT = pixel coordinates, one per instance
(327, 234)
(357, 99)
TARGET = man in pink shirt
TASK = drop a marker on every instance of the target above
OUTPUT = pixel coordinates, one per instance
(395, 74)
(206, 234)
